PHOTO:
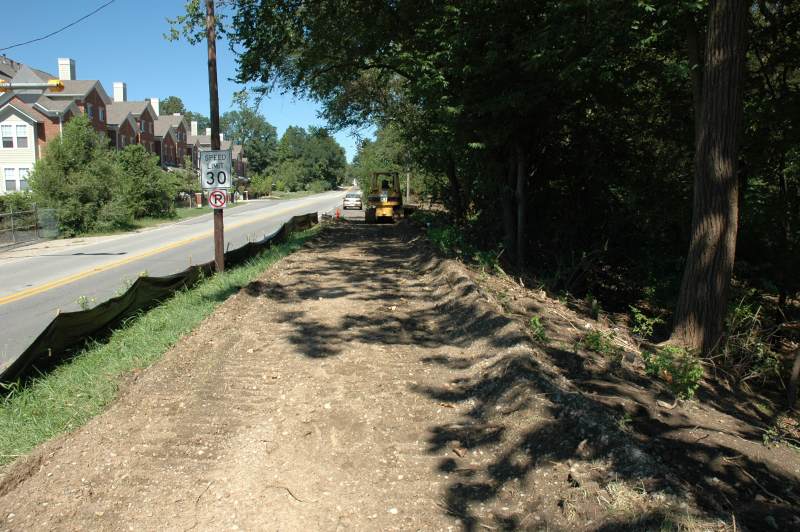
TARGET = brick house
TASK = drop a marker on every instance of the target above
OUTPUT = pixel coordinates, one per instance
(143, 112)
(173, 149)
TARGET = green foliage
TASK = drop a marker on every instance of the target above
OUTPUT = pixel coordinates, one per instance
(600, 343)
(16, 201)
(260, 184)
(76, 177)
(746, 353)
(171, 105)
(538, 330)
(246, 126)
(94, 188)
(642, 325)
(679, 368)
(144, 187)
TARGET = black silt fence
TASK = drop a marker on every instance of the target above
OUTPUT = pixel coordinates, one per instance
(69, 330)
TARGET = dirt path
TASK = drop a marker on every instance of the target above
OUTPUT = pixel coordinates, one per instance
(360, 384)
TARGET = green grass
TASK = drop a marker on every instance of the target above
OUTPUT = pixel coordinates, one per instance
(292, 195)
(78, 390)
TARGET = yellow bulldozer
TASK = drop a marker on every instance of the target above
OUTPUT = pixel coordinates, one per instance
(384, 198)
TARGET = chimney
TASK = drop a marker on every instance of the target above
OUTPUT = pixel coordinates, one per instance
(66, 68)
(154, 104)
(120, 92)
(194, 128)
(208, 131)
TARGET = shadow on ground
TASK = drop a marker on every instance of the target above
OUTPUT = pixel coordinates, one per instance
(531, 426)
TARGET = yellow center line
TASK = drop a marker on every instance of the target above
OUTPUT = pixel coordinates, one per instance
(34, 290)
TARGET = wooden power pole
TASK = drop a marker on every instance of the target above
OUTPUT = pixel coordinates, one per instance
(213, 93)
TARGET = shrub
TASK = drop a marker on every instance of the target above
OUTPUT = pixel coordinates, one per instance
(16, 201)
(318, 185)
(643, 326)
(144, 187)
(679, 368)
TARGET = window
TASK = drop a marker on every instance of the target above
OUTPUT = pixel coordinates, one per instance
(8, 140)
(142, 126)
(101, 111)
(11, 182)
(89, 110)
(22, 136)
(23, 178)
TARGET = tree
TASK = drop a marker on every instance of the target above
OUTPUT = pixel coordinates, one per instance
(703, 299)
(202, 120)
(246, 126)
(171, 105)
(76, 177)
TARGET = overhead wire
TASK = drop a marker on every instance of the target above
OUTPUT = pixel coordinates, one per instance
(60, 29)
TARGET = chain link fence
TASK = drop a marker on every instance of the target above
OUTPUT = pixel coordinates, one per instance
(17, 227)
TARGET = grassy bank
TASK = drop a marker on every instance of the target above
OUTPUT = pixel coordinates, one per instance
(73, 393)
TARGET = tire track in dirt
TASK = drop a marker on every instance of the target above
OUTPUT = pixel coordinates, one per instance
(361, 383)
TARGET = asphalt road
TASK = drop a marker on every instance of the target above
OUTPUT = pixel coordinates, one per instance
(35, 285)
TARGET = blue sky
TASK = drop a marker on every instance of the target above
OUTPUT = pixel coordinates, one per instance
(124, 42)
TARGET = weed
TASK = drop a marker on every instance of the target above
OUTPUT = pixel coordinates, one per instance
(746, 353)
(489, 260)
(126, 285)
(624, 421)
(642, 325)
(601, 343)
(537, 330)
(679, 368)
(85, 303)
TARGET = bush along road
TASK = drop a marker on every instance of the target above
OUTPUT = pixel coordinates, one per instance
(367, 383)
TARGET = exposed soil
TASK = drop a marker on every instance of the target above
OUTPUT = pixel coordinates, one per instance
(364, 383)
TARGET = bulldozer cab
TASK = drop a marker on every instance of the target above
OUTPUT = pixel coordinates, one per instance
(385, 198)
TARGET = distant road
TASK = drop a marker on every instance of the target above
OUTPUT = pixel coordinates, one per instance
(35, 284)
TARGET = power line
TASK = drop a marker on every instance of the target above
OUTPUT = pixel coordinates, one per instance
(58, 30)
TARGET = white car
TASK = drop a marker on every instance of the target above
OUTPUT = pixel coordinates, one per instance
(352, 200)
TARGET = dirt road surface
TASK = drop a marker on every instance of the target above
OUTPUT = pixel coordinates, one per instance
(361, 384)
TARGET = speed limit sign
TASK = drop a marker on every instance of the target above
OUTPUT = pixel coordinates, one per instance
(215, 169)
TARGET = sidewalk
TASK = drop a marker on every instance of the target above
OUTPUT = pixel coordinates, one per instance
(362, 384)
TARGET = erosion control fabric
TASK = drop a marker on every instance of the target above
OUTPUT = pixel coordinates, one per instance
(71, 329)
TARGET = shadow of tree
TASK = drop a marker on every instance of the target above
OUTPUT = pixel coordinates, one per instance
(509, 379)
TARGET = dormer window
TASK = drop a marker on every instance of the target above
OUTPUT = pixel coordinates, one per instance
(89, 110)
(101, 112)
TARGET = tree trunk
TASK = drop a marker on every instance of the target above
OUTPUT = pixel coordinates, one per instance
(696, 64)
(509, 214)
(522, 205)
(706, 280)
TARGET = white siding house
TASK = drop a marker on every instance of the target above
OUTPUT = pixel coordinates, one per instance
(17, 149)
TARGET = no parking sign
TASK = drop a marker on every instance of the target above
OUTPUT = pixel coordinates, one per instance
(218, 198)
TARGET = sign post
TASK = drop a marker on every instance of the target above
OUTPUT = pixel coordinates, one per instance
(213, 94)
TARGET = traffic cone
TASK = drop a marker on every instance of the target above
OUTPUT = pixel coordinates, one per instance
(338, 213)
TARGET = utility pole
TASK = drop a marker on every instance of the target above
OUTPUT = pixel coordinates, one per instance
(213, 93)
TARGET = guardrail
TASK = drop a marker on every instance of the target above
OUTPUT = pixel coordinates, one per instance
(69, 330)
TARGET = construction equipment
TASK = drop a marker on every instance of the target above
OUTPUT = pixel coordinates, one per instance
(384, 197)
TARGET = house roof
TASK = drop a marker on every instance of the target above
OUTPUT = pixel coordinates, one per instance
(9, 69)
(164, 122)
(136, 107)
(41, 103)
(79, 89)
(205, 140)
(21, 107)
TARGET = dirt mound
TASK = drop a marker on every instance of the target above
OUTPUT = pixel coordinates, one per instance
(362, 383)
